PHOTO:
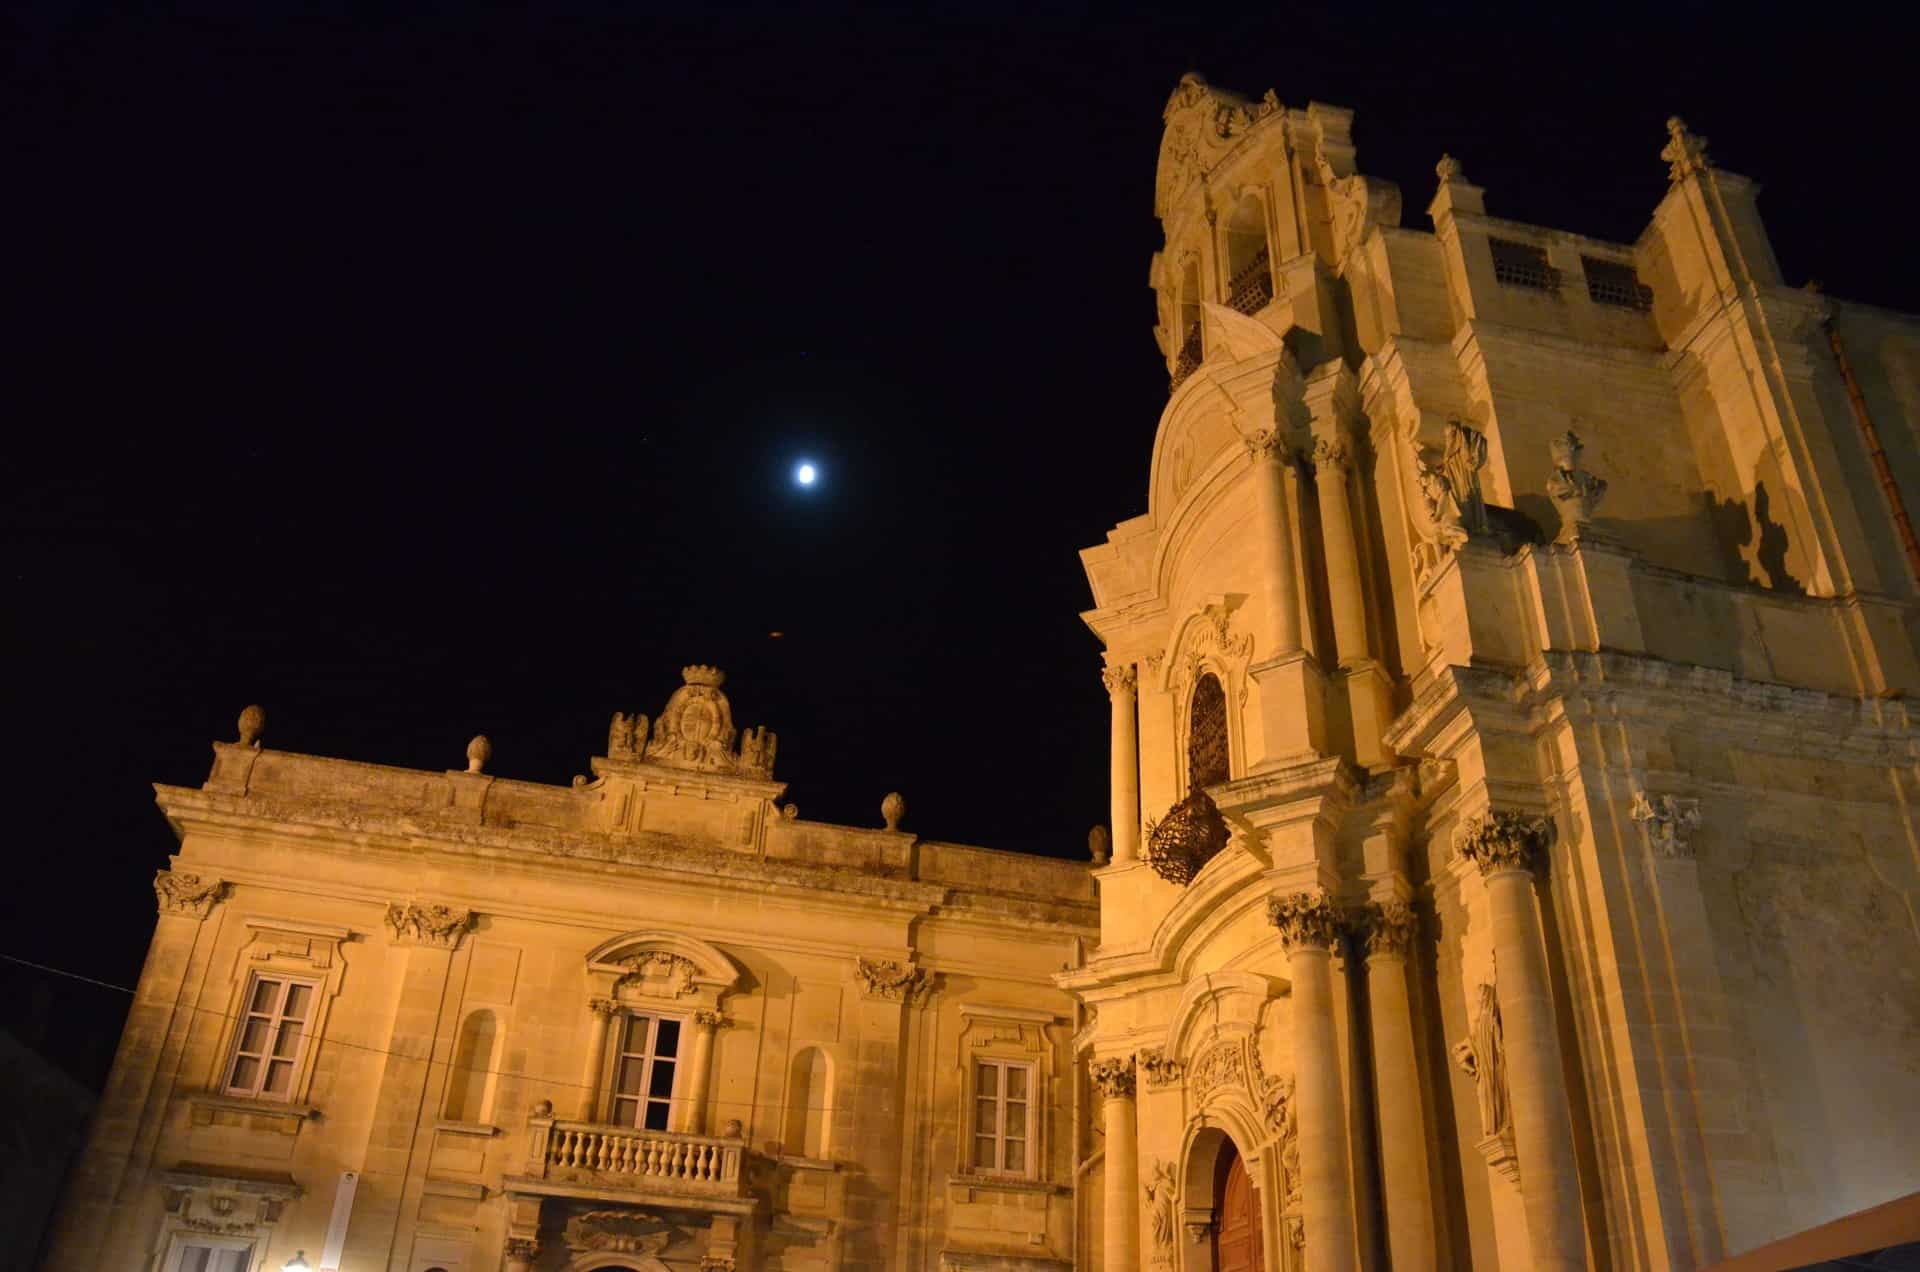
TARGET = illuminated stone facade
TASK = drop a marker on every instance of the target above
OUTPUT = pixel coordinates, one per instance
(482, 985)
(1551, 602)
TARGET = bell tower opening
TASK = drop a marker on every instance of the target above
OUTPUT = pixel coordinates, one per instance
(1249, 267)
(1207, 763)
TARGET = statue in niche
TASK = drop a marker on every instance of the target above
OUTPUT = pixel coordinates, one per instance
(1160, 1191)
(1465, 456)
(1482, 1056)
(1576, 493)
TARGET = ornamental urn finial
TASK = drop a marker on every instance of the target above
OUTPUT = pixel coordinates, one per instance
(479, 751)
(1448, 169)
(1099, 845)
(253, 722)
(893, 808)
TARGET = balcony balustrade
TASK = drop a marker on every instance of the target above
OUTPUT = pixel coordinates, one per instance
(622, 1157)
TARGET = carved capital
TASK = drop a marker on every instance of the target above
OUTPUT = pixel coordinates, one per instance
(439, 927)
(1114, 1078)
(1388, 929)
(709, 1019)
(1268, 444)
(1119, 678)
(1160, 1068)
(188, 894)
(1332, 456)
(605, 1008)
(522, 1248)
(1307, 920)
(1669, 822)
(1501, 839)
(890, 980)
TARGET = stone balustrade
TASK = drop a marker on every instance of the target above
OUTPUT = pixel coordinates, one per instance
(620, 1156)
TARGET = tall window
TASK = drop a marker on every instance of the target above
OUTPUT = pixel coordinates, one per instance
(1207, 735)
(1001, 1131)
(266, 1048)
(197, 1256)
(643, 1072)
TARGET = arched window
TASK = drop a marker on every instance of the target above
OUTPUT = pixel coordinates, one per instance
(470, 1085)
(810, 1104)
(1249, 273)
(1207, 734)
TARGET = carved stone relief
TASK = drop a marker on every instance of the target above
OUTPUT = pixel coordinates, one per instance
(1114, 1078)
(1451, 505)
(1160, 1069)
(891, 980)
(1304, 919)
(1576, 493)
(1504, 840)
(1160, 1212)
(437, 926)
(1216, 1067)
(189, 894)
(1669, 822)
(659, 972)
(695, 731)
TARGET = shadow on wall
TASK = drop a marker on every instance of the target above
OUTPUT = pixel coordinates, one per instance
(1752, 538)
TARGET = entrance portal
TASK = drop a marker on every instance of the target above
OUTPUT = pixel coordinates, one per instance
(1236, 1235)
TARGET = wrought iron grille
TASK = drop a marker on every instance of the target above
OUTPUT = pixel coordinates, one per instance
(1251, 289)
(1187, 838)
(1183, 366)
(1207, 735)
(1612, 283)
(1523, 265)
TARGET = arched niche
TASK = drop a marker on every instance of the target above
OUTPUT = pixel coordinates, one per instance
(470, 1084)
(810, 1098)
(1218, 1004)
(643, 966)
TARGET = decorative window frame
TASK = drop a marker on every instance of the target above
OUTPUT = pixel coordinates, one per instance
(609, 1071)
(233, 1211)
(1207, 644)
(179, 1240)
(663, 974)
(296, 950)
(1008, 1035)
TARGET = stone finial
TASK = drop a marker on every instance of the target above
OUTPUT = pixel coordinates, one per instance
(253, 722)
(479, 751)
(1448, 169)
(1685, 151)
(1500, 839)
(1099, 845)
(892, 809)
(1576, 493)
(732, 1128)
(543, 1108)
(1306, 920)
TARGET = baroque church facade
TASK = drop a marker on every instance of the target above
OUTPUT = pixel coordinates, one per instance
(1512, 859)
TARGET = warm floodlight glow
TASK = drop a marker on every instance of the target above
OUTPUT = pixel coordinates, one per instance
(805, 474)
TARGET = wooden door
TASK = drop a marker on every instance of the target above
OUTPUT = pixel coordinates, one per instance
(1236, 1208)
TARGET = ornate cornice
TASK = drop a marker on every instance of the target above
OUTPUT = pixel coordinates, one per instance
(1501, 839)
(1306, 920)
(438, 927)
(890, 980)
(1388, 929)
(1114, 1077)
(188, 894)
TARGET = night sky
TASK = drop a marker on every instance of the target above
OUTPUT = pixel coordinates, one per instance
(437, 374)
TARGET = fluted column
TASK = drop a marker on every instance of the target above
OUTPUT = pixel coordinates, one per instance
(1331, 463)
(1278, 584)
(1119, 1212)
(1507, 846)
(693, 1110)
(1388, 942)
(603, 1010)
(1123, 691)
(1308, 927)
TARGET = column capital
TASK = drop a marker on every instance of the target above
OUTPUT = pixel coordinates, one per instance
(423, 923)
(1114, 1077)
(1387, 929)
(1503, 839)
(605, 1008)
(710, 1020)
(1332, 457)
(1270, 444)
(890, 980)
(192, 895)
(1119, 678)
(1307, 920)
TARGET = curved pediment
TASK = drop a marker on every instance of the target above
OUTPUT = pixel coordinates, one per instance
(1204, 125)
(1226, 999)
(685, 965)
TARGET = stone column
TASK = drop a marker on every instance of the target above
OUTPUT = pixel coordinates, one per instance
(1309, 926)
(1506, 846)
(519, 1254)
(1331, 463)
(693, 1112)
(1390, 932)
(1278, 583)
(1120, 1213)
(1122, 690)
(604, 1010)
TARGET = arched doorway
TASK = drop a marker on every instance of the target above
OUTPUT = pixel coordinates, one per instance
(1237, 1245)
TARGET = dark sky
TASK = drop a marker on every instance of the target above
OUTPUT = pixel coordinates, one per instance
(424, 375)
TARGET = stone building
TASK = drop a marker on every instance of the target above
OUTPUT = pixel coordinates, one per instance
(1515, 861)
(409, 1020)
(1512, 857)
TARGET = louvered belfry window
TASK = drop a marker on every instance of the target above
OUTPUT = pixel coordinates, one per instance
(1207, 735)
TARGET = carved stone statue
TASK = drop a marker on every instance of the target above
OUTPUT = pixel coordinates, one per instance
(1160, 1212)
(1465, 456)
(756, 752)
(1482, 1056)
(1668, 821)
(626, 736)
(1576, 493)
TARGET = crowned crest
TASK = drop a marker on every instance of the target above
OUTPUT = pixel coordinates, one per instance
(695, 731)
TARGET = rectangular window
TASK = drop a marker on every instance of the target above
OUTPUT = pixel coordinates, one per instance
(1002, 1126)
(1611, 283)
(643, 1072)
(267, 1045)
(1523, 265)
(192, 1256)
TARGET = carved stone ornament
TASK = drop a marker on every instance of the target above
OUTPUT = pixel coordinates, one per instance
(479, 751)
(891, 980)
(626, 736)
(1668, 821)
(253, 722)
(1187, 838)
(709, 1019)
(893, 809)
(1359, 203)
(1218, 1066)
(1113, 1078)
(604, 1007)
(522, 1249)
(695, 731)
(1160, 1190)
(662, 972)
(632, 1232)
(1389, 929)
(1499, 840)
(1266, 443)
(1305, 920)
(1331, 454)
(1204, 124)
(189, 894)
(1576, 493)
(1685, 151)
(1160, 1068)
(1449, 169)
(438, 926)
(1119, 678)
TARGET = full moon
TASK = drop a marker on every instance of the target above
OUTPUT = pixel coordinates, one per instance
(805, 474)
